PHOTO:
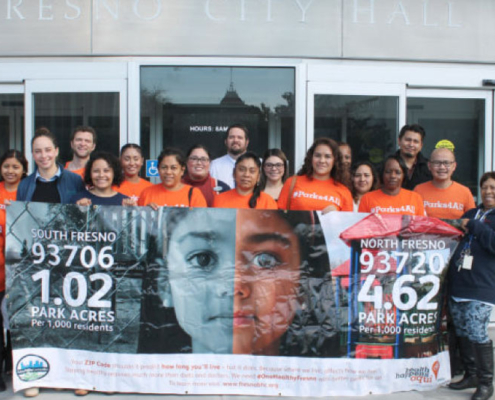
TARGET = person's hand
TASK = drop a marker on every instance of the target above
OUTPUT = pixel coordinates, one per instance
(129, 202)
(327, 209)
(154, 206)
(464, 223)
(7, 202)
(83, 202)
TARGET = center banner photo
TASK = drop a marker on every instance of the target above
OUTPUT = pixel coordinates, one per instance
(225, 301)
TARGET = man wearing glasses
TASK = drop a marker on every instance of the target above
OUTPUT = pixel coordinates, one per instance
(444, 198)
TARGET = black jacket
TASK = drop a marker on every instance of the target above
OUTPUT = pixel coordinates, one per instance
(421, 173)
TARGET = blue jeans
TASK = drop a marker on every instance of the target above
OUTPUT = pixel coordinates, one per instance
(471, 320)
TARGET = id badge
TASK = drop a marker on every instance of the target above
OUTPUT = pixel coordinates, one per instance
(467, 262)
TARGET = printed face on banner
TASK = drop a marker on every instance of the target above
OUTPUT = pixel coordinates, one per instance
(200, 263)
(266, 281)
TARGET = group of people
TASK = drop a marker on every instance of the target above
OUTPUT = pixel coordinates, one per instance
(408, 183)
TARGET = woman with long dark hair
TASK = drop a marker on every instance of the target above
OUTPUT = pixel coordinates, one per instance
(131, 160)
(247, 192)
(320, 183)
(364, 179)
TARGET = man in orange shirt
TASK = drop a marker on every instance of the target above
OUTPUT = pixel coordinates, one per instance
(82, 143)
(444, 198)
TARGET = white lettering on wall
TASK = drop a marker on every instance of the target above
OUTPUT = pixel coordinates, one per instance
(304, 9)
(425, 15)
(74, 7)
(158, 10)
(369, 9)
(43, 7)
(209, 14)
(13, 7)
(114, 12)
(451, 23)
(399, 11)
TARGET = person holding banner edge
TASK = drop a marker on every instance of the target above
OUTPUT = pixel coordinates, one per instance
(13, 168)
(472, 292)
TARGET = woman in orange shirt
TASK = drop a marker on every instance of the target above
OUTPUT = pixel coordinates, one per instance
(318, 185)
(171, 192)
(13, 167)
(247, 192)
(391, 198)
(131, 160)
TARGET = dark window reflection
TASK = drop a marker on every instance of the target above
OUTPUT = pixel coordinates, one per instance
(462, 121)
(11, 122)
(369, 124)
(182, 106)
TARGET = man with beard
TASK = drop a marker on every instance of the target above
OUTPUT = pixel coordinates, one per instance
(82, 143)
(410, 144)
(236, 141)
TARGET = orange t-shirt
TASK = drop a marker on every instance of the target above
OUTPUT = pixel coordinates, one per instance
(406, 202)
(163, 197)
(79, 171)
(4, 195)
(232, 199)
(450, 203)
(313, 194)
(133, 190)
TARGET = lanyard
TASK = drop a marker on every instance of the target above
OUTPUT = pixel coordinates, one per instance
(481, 216)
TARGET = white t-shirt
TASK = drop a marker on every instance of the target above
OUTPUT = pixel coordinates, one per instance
(222, 168)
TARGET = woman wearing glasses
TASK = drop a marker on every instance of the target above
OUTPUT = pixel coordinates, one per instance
(274, 172)
(198, 174)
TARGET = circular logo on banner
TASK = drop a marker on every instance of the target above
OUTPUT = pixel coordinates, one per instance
(31, 368)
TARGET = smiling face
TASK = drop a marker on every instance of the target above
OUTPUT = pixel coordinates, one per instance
(323, 161)
(362, 179)
(83, 144)
(442, 165)
(11, 171)
(44, 153)
(392, 177)
(198, 164)
(170, 172)
(488, 193)
(266, 281)
(200, 263)
(274, 168)
(236, 142)
(410, 144)
(102, 175)
(131, 161)
(246, 175)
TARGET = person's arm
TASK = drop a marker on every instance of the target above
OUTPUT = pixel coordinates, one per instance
(484, 233)
(347, 202)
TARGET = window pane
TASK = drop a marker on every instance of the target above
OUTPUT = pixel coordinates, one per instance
(62, 112)
(462, 121)
(369, 124)
(182, 106)
(11, 122)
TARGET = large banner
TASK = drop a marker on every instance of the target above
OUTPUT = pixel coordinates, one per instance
(223, 301)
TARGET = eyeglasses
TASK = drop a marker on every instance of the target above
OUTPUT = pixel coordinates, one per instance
(445, 163)
(202, 160)
(274, 166)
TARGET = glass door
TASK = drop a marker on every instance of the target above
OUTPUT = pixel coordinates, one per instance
(367, 117)
(63, 105)
(11, 117)
(465, 118)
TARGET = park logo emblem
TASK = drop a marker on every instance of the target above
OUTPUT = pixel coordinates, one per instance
(31, 368)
